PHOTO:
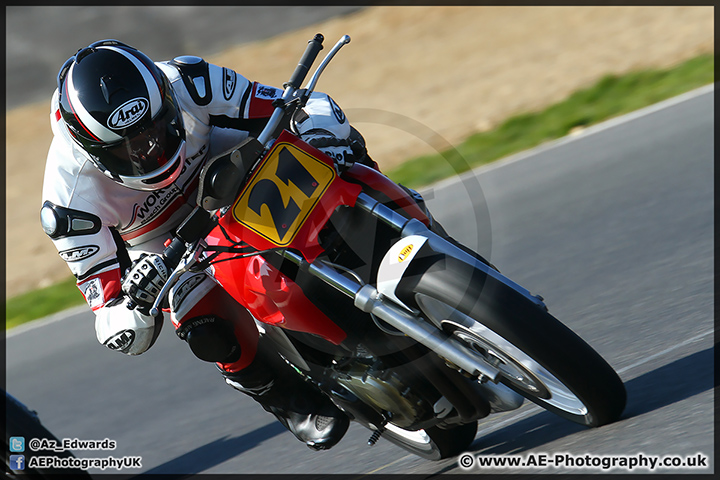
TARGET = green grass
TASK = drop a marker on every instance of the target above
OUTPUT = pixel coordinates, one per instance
(43, 302)
(609, 97)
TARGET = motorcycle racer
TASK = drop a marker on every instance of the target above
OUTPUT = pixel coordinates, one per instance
(130, 138)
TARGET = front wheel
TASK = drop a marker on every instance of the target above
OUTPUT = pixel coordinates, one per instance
(433, 443)
(538, 357)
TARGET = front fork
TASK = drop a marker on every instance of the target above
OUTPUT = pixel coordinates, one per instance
(368, 299)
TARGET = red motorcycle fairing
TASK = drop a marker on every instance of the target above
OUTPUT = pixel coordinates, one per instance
(384, 190)
(273, 298)
(286, 202)
(289, 198)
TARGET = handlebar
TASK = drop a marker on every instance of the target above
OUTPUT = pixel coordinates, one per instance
(173, 253)
(292, 86)
(179, 257)
(308, 58)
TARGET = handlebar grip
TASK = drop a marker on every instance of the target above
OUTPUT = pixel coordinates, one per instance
(311, 52)
(174, 252)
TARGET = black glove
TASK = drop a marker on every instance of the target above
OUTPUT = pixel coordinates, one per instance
(343, 152)
(144, 281)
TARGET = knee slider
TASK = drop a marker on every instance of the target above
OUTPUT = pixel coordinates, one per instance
(211, 339)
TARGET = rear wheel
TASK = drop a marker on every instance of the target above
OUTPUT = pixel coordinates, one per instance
(537, 356)
(433, 443)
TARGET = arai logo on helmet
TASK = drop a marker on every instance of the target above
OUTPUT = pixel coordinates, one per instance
(128, 113)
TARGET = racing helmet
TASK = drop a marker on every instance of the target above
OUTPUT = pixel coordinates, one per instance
(121, 110)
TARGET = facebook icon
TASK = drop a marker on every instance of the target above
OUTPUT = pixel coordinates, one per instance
(17, 462)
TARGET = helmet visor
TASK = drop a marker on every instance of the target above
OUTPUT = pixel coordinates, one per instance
(146, 149)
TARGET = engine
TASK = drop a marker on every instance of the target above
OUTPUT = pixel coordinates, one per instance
(383, 389)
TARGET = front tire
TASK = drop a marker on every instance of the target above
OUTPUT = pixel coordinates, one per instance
(538, 357)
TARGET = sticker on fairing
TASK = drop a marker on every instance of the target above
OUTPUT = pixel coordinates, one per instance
(395, 263)
(282, 194)
(405, 253)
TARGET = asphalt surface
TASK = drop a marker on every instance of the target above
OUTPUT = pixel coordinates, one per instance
(41, 38)
(614, 228)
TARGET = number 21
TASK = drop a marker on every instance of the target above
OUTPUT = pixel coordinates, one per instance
(266, 192)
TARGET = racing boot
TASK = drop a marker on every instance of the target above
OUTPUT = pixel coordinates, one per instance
(308, 413)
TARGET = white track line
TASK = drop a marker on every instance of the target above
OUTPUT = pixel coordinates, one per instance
(613, 122)
(537, 409)
(665, 352)
(533, 409)
(55, 317)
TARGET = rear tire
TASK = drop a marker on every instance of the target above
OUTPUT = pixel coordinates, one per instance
(539, 357)
(433, 443)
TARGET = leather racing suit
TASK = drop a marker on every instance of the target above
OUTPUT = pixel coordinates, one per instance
(100, 227)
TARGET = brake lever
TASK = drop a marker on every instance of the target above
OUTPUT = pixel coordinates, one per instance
(291, 89)
(190, 258)
(344, 40)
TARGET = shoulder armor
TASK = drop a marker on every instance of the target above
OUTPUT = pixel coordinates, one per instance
(195, 75)
(61, 222)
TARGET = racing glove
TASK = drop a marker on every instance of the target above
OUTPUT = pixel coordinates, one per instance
(144, 281)
(126, 331)
(343, 152)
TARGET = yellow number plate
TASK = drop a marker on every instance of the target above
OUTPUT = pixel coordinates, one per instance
(283, 193)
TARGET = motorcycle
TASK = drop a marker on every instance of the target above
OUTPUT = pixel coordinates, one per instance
(410, 333)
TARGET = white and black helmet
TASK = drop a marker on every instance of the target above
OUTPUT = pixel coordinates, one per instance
(120, 108)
